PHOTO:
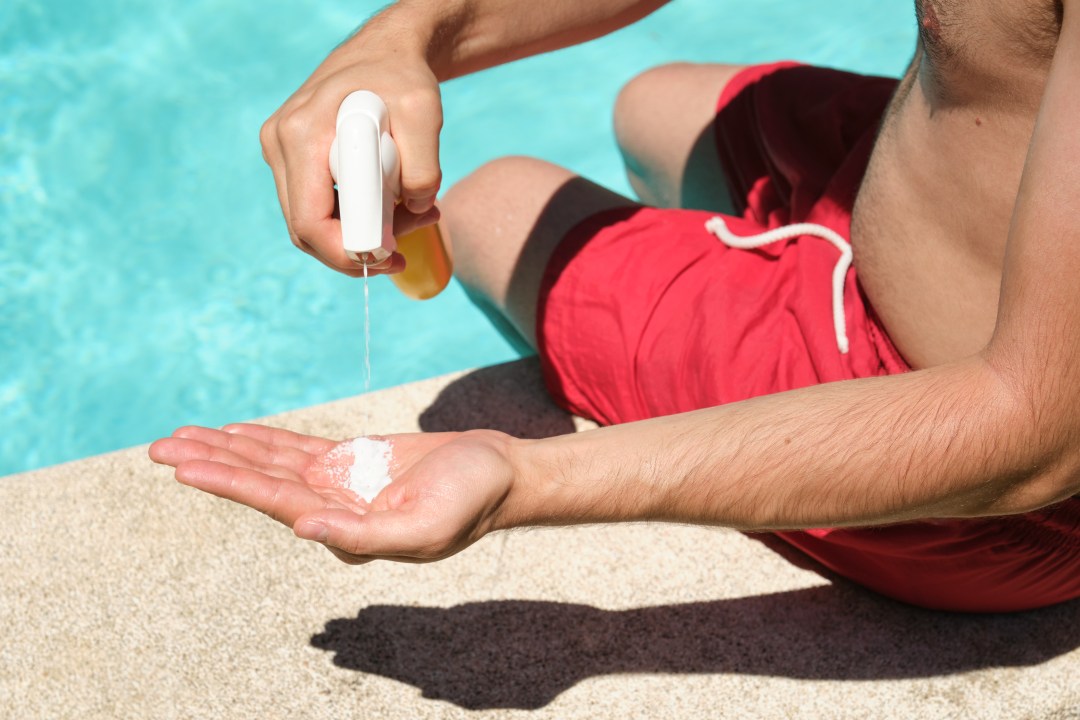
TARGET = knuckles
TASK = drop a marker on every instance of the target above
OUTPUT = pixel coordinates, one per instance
(297, 124)
(421, 102)
(268, 136)
(421, 182)
(292, 126)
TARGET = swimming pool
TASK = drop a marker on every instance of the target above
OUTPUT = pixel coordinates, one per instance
(146, 280)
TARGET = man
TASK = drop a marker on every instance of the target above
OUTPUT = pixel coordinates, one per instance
(915, 424)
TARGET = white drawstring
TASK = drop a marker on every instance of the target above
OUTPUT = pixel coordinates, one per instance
(719, 228)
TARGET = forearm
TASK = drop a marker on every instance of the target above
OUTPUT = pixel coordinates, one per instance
(995, 434)
(946, 442)
(463, 36)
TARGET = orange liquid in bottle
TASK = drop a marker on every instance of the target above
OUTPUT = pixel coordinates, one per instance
(427, 264)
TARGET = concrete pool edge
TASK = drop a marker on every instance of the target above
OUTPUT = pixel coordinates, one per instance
(126, 595)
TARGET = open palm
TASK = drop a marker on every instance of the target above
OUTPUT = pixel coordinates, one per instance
(445, 490)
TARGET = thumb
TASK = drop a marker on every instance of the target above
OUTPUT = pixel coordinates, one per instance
(389, 534)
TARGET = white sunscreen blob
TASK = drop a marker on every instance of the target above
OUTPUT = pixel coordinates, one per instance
(369, 471)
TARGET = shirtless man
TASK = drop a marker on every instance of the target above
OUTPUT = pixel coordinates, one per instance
(945, 461)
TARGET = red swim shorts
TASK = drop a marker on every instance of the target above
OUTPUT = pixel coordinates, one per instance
(643, 312)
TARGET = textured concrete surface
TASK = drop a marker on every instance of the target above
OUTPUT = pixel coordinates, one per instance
(126, 595)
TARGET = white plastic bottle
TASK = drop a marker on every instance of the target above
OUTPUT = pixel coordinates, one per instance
(365, 165)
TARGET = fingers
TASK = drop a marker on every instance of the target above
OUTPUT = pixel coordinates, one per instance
(271, 150)
(274, 156)
(405, 221)
(298, 155)
(281, 437)
(310, 191)
(304, 138)
(415, 121)
(393, 264)
(276, 451)
(282, 500)
(175, 450)
(256, 451)
(296, 142)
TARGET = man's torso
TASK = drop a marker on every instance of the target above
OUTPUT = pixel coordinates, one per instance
(932, 216)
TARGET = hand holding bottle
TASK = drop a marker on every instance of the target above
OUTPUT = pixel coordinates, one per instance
(388, 58)
(401, 55)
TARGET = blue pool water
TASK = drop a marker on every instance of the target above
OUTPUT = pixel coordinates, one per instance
(146, 280)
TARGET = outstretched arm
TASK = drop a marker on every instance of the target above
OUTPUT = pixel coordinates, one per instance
(996, 433)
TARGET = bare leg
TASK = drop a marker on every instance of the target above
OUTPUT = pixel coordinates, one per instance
(504, 221)
(664, 126)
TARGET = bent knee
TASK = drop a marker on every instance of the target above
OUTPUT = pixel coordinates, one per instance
(497, 178)
(668, 103)
(490, 213)
(504, 191)
(636, 104)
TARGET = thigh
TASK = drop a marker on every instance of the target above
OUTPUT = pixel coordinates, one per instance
(664, 124)
(504, 221)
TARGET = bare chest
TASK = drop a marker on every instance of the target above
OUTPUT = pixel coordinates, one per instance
(932, 217)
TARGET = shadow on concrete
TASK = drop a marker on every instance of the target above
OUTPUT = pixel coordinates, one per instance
(508, 397)
(523, 654)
